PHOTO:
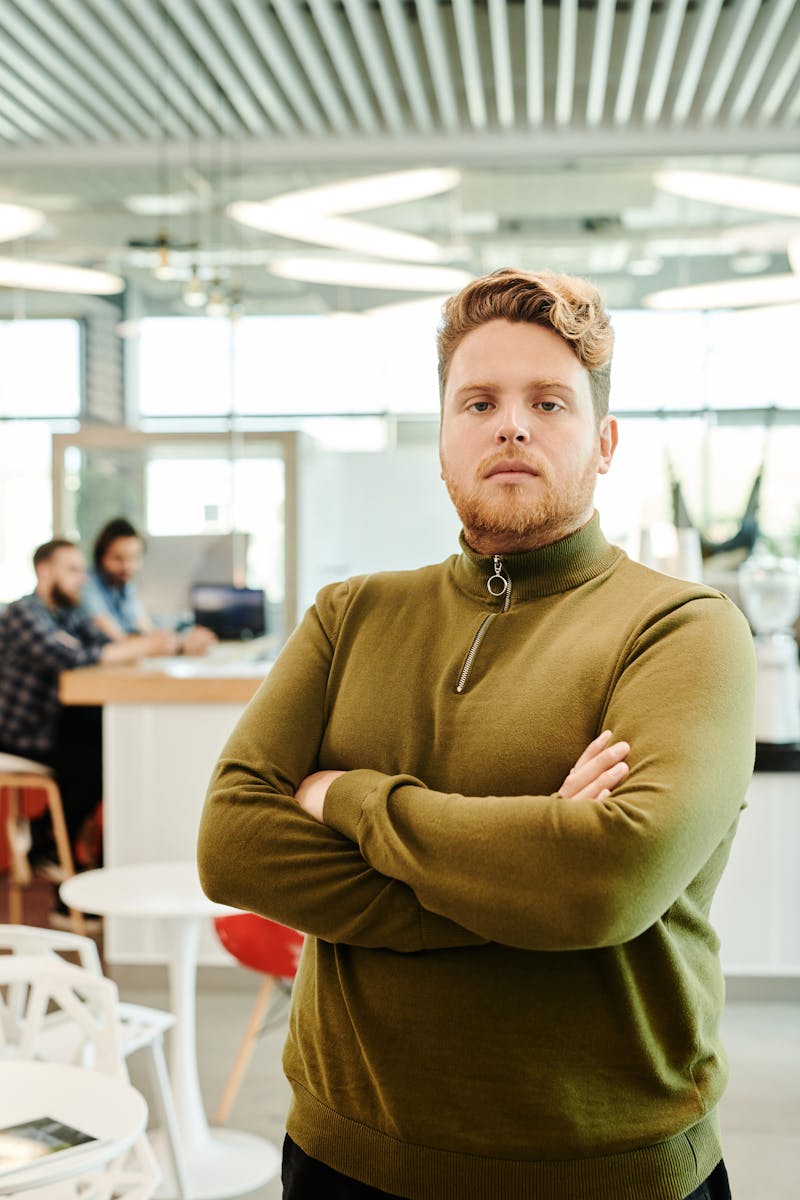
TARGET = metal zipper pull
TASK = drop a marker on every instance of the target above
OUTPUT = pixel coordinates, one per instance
(497, 584)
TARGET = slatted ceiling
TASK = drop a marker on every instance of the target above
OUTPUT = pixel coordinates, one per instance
(408, 56)
(534, 58)
(501, 60)
(779, 87)
(757, 67)
(438, 63)
(341, 42)
(378, 60)
(470, 62)
(129, 71)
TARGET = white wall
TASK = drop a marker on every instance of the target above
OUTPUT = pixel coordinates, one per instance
(365, 512)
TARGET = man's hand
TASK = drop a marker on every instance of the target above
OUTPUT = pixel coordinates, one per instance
(198, 640)
(598, 770)
(311, 793)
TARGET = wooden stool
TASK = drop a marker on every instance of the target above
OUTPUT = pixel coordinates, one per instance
(20, 780)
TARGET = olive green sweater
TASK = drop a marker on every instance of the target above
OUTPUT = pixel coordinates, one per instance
(506, 995)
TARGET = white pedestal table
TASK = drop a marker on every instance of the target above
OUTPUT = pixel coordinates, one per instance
(220, 1163)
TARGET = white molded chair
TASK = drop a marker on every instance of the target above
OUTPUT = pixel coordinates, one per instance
(18, 776)
(42, 995)
(137, 1026)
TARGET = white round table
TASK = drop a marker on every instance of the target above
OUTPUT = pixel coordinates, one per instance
(220, 1162)
(107, 1108)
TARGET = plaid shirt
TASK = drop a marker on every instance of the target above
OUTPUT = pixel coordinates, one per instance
(37, 643)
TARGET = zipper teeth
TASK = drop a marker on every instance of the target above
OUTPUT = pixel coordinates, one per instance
(473, 650)
(485, 623)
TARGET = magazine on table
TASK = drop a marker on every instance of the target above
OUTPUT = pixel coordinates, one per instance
(25, 1145)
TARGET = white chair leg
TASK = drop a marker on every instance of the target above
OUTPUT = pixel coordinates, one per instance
(161, 1086)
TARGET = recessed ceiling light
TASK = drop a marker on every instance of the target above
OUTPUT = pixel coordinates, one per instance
(17, 221)
(732, 191)
(169, 205)
(57, 277)
(729, 293)
(392, 276)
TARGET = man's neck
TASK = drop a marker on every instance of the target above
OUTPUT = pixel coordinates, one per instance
(510, 542)
(45, 594)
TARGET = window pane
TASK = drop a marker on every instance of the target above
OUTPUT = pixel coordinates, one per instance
(344, 363)
(41, 368)
(25, 511)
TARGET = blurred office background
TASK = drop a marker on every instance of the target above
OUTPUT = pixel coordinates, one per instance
(278, 195)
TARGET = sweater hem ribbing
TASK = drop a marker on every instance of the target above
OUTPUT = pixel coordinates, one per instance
(666, 1170)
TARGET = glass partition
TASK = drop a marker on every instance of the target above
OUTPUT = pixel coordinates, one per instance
(213, 508)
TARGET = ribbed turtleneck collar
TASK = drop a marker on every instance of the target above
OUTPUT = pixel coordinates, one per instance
(551, 569)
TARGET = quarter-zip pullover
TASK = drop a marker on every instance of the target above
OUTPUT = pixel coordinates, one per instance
(505, 994)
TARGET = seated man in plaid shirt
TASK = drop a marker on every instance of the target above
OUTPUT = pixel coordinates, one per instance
(42, 635)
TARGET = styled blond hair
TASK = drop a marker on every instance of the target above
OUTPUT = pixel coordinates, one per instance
(571, 307)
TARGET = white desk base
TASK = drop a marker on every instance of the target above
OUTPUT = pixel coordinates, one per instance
(157, 763)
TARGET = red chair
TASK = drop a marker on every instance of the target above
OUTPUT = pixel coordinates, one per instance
(274, 951)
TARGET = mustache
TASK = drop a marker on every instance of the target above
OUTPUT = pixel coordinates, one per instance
(504, 456)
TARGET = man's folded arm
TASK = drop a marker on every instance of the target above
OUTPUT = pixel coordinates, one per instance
(259, 851)
(550, 873)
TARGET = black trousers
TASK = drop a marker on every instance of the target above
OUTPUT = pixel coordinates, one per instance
(305, 1178)
(77, 763)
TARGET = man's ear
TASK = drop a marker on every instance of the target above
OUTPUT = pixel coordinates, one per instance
(609, 435)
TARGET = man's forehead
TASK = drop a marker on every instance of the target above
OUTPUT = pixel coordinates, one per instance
(69, 556)
(520, 339)
(502, 352)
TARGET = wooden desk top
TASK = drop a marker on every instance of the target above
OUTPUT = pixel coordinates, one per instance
(164, 681)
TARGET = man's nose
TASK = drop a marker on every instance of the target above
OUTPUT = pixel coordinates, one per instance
(512, 425)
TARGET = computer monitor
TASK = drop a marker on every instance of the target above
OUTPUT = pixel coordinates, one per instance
(232, 613)
(173, 563)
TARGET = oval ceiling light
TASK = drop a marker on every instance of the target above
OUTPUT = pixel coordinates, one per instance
(732, 191)
(57, 277)
(391, 276)
(17, 221)
(283, 218)
(312, 214)
(728, 293)
(376, 191)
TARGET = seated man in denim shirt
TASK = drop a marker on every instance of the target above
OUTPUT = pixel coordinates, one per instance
(110, 595)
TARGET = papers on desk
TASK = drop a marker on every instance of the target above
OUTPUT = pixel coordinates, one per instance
(21, 1145)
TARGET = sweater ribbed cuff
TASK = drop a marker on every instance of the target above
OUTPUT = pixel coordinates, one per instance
(344, 800)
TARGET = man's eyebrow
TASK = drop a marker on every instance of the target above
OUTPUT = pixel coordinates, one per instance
(540, 384)
(552, 383)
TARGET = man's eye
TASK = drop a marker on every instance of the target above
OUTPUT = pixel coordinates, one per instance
(480, 406)
(549, 405)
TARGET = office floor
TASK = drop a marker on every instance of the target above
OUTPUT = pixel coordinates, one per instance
(760, 1112)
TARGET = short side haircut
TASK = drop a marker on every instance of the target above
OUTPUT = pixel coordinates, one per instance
(45, 552)
(118, 527)
(572, 307)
